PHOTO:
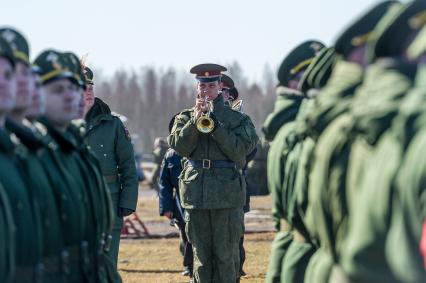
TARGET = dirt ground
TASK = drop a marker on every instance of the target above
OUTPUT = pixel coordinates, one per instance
(157, 258)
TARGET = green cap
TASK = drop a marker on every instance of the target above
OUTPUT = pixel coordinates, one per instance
(298, 60)
(227, 81)
(359, 32)
(53, 66)
(233, 92)
(208, 72)
(395, 38)
(7, 52)
(18, 43)
(88, 74)
(319, 71)
(72, 63)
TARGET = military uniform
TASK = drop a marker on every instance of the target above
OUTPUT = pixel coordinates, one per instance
(256, 171)
(160, 149)
(212, 189)
(169, 201)
(386, 132)
(7, 225)
(25, 202)
(280, 127)
(110, 141)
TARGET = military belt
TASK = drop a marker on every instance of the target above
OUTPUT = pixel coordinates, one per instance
(110, 178)
(207, 164)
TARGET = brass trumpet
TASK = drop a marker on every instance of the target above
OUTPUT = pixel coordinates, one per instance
(205, 124)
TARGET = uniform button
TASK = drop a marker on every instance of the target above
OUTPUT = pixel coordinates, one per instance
(64, 217)
(64, 197)
(105, 154)
(20, 206)
(102, 145)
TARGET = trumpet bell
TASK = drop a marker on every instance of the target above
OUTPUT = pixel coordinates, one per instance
(205, 124)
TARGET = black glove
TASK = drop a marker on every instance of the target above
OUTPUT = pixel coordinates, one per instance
(122, 211)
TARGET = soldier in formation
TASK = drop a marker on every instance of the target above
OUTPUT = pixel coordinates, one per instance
(56, 213)
(345, 167)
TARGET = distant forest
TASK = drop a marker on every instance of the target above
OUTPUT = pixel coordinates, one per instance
(151, 96)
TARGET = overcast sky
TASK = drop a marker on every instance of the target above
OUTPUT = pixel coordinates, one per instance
(179, 33)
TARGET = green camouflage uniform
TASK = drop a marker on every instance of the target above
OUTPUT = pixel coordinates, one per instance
(278, 127)
(214, 197)
(387, 128)
(327, 174)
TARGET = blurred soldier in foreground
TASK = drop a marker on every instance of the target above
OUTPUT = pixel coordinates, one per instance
(277, 127)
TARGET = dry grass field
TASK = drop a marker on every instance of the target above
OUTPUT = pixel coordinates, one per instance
(158, 259)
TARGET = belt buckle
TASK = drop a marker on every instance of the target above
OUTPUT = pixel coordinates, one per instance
(206, 163)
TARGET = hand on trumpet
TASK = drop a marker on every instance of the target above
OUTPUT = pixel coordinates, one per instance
(201, 105)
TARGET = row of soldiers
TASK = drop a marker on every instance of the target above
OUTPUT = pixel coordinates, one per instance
(56, 210)
(346, 167)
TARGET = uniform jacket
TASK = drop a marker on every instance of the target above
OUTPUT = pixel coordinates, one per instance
(110, 141)
(232, 140)
(169, 179)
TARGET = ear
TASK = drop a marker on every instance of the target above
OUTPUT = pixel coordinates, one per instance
(221, 85)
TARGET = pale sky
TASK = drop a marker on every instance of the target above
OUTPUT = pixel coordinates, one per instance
(180, 33)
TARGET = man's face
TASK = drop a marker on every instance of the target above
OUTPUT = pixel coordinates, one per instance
(81, 104)
(7, 86)
(89, 97)
(210, 89)
(225, 94)
(62, 98)
(25, 85)
(38, 101)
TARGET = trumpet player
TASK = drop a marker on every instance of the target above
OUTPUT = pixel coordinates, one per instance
(211, 186)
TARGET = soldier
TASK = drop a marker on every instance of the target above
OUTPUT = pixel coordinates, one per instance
(110, 141)
(25, 209)
(277, 127)
(99, 200)
(211, 186)
(257, 181)
(160, 149)
(7, 208)
(368, 255)
(327, 209)
(230, 95)
(169, 199)
(33, 170)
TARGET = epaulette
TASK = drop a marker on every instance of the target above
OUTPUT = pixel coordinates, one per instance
(119, 116)
(20, 149)
(40, 128)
